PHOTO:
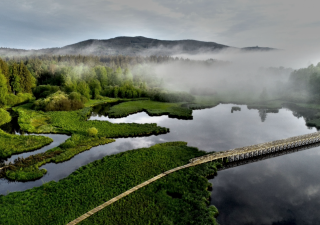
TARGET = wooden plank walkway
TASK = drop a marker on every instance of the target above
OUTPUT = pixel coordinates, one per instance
(260, 149)
(254, 159)
(102, 206)
(238, 153)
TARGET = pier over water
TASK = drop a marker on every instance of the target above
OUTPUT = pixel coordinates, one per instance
(259, 149)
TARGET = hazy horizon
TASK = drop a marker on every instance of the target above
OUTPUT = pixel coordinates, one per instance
(292, 26)
(240, 23)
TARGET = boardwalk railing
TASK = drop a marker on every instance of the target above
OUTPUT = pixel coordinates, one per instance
(259, 149)
(245, 161)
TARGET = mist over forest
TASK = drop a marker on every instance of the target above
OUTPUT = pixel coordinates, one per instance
(246, 77)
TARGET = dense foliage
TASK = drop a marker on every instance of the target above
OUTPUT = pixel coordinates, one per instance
(5, 117)
(179, 198)
(60, 101)
(91, 77)
(15, 79)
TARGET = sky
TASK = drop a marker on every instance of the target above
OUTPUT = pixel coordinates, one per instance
(283, 24)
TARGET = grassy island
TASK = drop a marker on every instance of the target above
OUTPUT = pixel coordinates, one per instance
(152, 108)
(14, 144)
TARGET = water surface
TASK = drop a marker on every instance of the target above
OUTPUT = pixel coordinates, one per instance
(283, 190)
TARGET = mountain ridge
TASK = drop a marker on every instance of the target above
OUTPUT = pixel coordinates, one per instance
(139, 45)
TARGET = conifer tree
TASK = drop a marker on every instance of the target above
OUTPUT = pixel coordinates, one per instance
(83, 89)
(128, 75)
(14, 73)
(3, 89)
(15, 84)
(5, 71)
(27, 80)
(102, 75)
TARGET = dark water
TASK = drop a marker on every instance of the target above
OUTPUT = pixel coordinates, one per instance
(12, 127)
(57, 140)
(282, 190)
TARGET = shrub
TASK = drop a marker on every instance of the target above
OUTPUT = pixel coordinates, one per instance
(68, 144)
(18, 99)
(84, 99)
(5, 117)
(43, 91)
(75, 96)
(60, 101)
(92, 131)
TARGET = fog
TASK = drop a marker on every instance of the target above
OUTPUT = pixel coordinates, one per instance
(230, 71)
(233, 71)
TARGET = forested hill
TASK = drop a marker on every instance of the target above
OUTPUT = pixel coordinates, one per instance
(129, 46)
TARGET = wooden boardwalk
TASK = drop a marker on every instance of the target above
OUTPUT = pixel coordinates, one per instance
(254, 159)
(231, 155)
(93, 211)
(260, 149)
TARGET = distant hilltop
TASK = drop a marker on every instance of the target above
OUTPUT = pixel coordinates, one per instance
(131, 46)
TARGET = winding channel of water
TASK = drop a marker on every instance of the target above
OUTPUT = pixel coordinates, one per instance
(282, 190)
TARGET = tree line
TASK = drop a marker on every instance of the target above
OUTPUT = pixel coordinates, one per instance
(304, 84)
(61, 86)
(16, 83)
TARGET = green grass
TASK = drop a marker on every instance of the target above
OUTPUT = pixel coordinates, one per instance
(13, 144)
(243, 99)
(93, 102)
(5, 117)
(73, 123)
(174, 110)
(181, 197)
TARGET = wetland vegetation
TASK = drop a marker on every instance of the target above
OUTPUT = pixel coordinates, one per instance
(73, 123)
(152, 108)
(52, 94)
(178, 198)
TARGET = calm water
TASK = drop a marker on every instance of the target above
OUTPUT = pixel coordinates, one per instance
(282, 190)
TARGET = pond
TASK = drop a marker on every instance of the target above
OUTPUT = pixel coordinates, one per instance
(281, 190)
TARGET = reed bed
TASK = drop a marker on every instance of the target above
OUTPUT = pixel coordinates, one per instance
(179, 198)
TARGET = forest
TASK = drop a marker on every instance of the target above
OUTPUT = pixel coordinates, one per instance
(62, 83)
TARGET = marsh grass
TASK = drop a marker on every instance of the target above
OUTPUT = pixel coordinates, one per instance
(93, 184)
(152, 108)
(13, 144)
(73, 123)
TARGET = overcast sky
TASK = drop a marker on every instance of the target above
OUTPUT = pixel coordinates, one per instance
(34, 24)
